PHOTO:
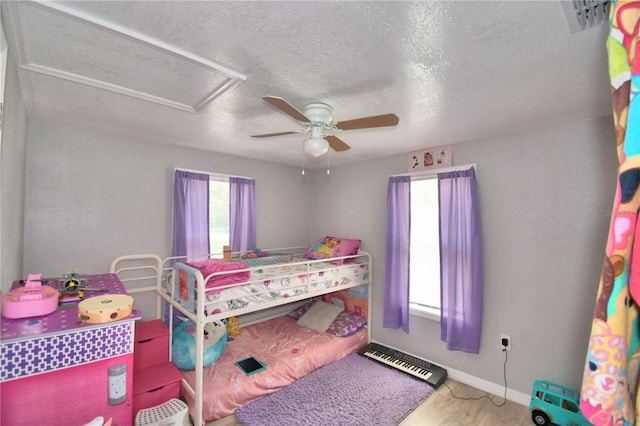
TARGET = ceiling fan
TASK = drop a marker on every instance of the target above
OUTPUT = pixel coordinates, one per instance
(317, 117)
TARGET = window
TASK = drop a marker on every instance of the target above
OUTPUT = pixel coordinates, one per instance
(218, 213)
(211, 211)
(424, 274)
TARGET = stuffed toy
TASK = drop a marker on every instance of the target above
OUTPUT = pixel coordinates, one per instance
(233, 327)
(184, 344)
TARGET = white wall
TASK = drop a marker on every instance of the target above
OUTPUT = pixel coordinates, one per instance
(545, 198)
(93, 196)
(12, 178)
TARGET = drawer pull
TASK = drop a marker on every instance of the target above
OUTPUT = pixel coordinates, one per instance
(145, 341)
(156, 389)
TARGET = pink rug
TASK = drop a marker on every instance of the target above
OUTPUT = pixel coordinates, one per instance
(350, 391)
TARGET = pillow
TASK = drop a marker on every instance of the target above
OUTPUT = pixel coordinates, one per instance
(319, 316)
(300, 310)
(328, 247)
(346, 324)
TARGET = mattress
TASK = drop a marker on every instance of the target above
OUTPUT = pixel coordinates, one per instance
(272, 283)
(289, 352)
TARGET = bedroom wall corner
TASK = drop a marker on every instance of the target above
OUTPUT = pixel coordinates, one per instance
(12, 179)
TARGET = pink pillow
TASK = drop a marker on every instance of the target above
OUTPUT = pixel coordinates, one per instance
(329, 247)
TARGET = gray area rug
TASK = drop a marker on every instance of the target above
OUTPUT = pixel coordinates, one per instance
(350, 391)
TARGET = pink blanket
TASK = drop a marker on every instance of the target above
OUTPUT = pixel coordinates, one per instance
(289, 352)
(210, 266)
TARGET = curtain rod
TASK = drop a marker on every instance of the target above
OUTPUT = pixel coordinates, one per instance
(436, 171)
(210, 173)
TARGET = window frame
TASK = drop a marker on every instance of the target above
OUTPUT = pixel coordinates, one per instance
(414, 308)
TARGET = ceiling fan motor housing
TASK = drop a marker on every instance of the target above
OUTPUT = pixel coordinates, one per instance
(318, 112)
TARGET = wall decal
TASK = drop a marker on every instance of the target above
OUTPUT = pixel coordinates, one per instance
(430, 158)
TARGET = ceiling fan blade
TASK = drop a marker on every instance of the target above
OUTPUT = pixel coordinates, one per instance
(367, 122)
(268, 135)
(336, 144)
(287, 108)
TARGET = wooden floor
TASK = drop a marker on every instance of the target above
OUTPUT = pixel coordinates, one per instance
(442, 408)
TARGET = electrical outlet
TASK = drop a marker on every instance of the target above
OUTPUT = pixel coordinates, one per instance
(505, 342)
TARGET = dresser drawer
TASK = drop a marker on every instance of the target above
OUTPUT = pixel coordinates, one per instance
(151, 346)
(155, 385)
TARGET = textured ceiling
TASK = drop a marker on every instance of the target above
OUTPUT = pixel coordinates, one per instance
(451, 70)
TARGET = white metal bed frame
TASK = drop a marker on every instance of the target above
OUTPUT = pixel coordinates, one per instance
(135, 268)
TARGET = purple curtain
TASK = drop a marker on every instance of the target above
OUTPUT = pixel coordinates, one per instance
(396, 283)
(461, 279)
(242, 197)
(190, 214)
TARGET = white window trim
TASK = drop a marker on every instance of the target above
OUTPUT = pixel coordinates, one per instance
(435, 172)
(219, 176)
(425, 312)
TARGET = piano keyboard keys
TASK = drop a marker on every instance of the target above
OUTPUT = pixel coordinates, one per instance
(405, 366)
(416, 367)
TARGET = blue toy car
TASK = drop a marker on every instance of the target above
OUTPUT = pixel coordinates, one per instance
(555, 404)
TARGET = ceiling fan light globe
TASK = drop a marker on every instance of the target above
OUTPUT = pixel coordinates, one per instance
(316, 146)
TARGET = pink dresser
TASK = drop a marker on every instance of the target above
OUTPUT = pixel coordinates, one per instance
(56, 371)
(156, 380)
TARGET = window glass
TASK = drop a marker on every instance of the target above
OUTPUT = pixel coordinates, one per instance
(569, 405)
(218, 213)
(424, 277)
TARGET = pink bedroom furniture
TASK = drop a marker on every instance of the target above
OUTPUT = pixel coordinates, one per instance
(57, 371)
(289, 352)
(156, 380)
(151, 344)
(199, 295)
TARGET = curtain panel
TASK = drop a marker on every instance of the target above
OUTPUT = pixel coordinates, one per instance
(396, 283)
(609, 394)
(242, 199)
(461, 279)
(190, 214)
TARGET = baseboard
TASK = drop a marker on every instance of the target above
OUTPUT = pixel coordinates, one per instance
(487, 386)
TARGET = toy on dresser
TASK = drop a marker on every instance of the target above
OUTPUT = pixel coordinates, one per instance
(32, 300)
(105, 308)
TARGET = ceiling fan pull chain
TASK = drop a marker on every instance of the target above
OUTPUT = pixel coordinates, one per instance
(303, 160)
(328, 171)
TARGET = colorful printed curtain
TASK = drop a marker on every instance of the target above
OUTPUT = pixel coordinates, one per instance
(609, 394)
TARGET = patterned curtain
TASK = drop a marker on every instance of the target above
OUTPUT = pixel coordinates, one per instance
(609, 392)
